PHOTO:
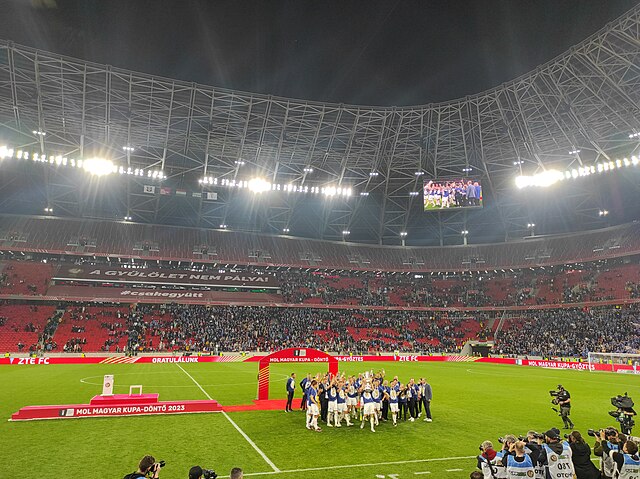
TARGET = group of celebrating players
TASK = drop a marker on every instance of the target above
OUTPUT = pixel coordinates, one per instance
(450, 194)
(367, 397)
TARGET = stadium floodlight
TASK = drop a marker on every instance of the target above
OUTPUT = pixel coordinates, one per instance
(373, 173)
(308, 169)
(48, 210)
(414, 193)
(634, 135)
(518, 162)
(466, 170)
(285, 230)
(544, 179)
(531, 225)
(603, 213)
(259, 185)
(39, 133)
(99, 166)
(364, 193)
(6, 152)
(128, 218)
(346, 232)
(464, 232)
(403, 233)
(223, 226)
(419, 173)
(239, 162)
(128, 149)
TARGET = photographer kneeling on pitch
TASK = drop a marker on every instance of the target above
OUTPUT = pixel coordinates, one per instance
(196, 472)
(147, 467)
(627, 461)
(614, 442)
(556, 456)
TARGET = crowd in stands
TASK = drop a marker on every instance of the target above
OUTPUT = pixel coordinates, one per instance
(194, 328)
(571, 332)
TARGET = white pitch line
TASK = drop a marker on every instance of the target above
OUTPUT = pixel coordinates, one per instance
(253, 444)
(423, 472)
(453, 470)
(348, 466)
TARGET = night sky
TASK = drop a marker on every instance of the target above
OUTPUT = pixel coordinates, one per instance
(362, 52)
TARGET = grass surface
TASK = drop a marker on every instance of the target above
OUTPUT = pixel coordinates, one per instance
(472, 402)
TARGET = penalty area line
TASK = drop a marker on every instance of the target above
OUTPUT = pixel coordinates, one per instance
(233, 423)
(349, 466)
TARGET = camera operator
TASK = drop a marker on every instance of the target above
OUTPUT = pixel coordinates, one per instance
(581, 457)
(607, 466)
(518, 463)
(147, 467)
(489, 462)
(627, 462)
(564, 401)
(555, 456)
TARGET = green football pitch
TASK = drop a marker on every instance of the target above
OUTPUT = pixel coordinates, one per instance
(472, 402)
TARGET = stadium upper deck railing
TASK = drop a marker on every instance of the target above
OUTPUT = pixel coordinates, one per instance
(154, 242)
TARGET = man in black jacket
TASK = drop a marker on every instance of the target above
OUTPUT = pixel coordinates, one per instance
(146, 466)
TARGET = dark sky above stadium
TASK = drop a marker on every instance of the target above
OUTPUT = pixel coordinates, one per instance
(363, 52)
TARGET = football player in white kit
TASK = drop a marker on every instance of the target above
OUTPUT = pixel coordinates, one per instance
(369, 411)
(393, 401)
(377, 400)
(352, 398)
(332, 395)
(342, 405)
(313, 411)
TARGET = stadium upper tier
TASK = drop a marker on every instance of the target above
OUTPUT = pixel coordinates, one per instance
(152, 242)
(578, 109)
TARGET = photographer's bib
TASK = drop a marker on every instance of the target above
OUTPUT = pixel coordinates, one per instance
(560, 465)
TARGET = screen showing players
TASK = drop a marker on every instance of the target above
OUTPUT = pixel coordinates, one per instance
(443, 194)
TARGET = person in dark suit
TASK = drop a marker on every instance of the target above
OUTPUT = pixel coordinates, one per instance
(291, 385)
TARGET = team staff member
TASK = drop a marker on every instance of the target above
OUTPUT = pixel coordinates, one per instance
(425, 398)
(291, 385)
(627, 462)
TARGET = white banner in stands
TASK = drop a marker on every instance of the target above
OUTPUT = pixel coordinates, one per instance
(107, 385)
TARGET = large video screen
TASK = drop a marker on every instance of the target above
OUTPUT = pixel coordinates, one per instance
(454, 193)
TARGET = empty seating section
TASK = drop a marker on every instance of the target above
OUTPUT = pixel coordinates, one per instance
(24, 277)
(22, 324)
(114, 238)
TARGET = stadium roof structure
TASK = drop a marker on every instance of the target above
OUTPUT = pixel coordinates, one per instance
(578, 109)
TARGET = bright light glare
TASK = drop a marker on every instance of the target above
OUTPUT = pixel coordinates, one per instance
(258, 185)
(544, 179)
(98, 166)
(5, 152)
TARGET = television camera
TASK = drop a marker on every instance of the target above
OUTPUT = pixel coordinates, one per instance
(624, 412)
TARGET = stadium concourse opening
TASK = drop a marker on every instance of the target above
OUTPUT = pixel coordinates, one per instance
(291, 355)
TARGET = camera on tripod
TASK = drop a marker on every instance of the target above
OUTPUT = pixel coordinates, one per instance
(624, 412)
